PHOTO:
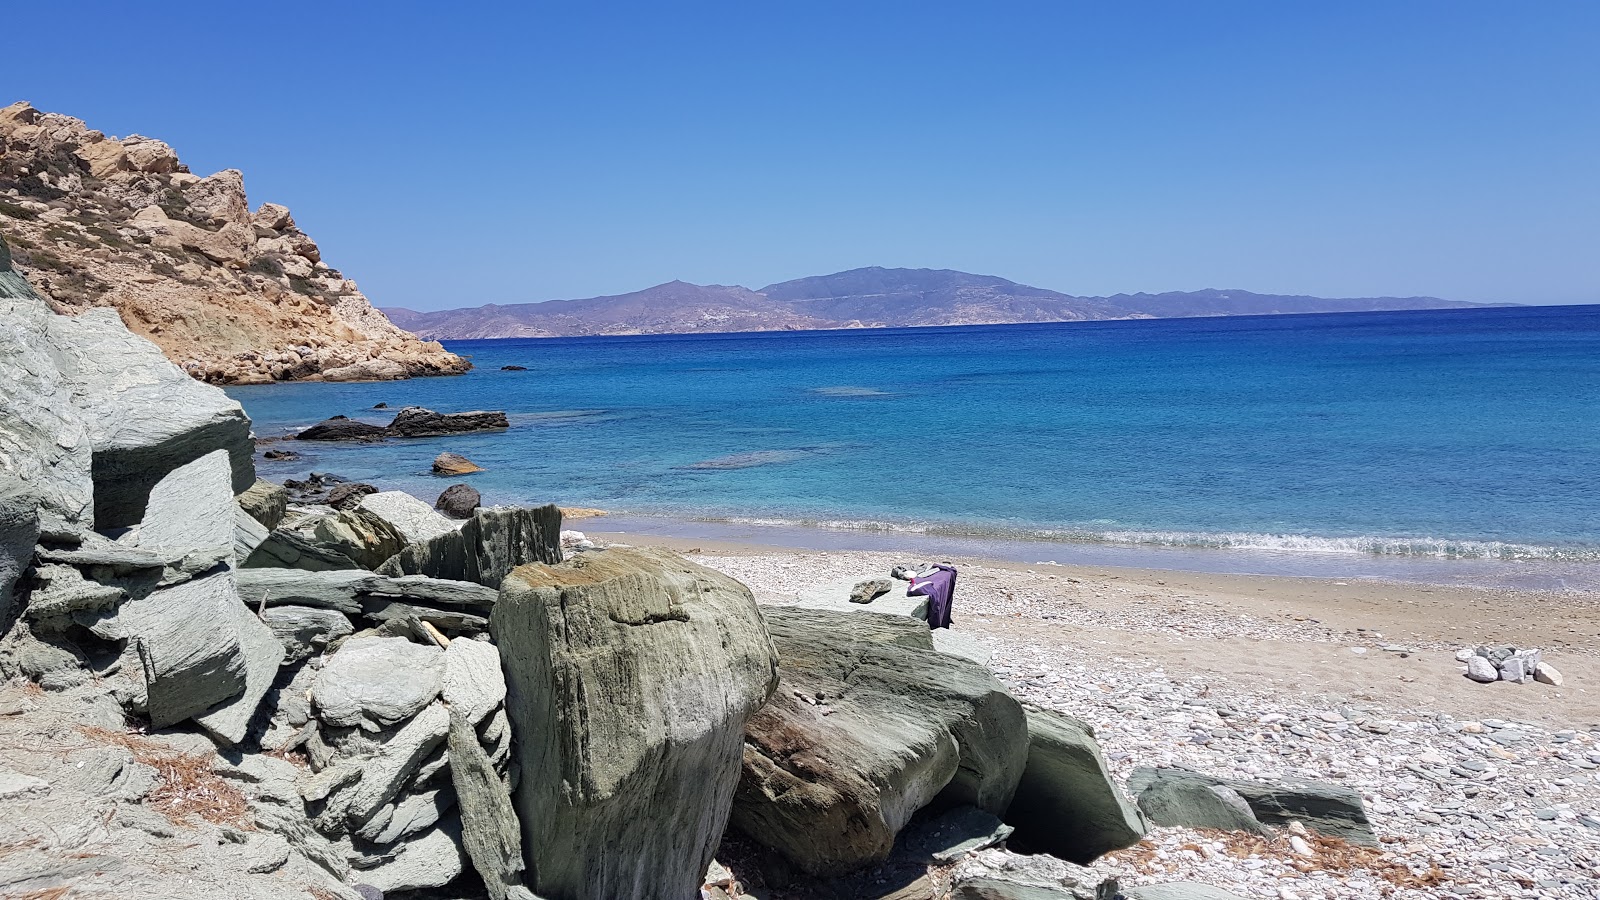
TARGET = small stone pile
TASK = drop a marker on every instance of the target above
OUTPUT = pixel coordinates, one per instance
(1486, 665)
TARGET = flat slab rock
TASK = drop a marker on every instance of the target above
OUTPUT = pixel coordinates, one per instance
(868, 726)
(1328, 809)
(375, 682)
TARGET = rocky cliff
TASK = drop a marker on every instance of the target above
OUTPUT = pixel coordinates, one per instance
(233, 296)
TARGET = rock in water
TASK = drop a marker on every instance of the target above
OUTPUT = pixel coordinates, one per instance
(415, 421)
(1066, 803)
(630, 677)
(868, 726)
(1481, 670)
(487, 547)
(343, 428)
(454, 464)
(1325, 808)
(459, 501)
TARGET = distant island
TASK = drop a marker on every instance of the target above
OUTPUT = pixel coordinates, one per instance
(860, 298)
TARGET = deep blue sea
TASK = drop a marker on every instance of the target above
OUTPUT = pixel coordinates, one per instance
(1362, 443)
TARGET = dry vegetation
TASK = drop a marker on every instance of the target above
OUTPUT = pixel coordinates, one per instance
(1328, 854)
(187, 785)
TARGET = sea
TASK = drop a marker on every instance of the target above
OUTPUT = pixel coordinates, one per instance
(1447, 446)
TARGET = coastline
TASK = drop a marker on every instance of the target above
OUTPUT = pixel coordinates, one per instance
(1291, 636)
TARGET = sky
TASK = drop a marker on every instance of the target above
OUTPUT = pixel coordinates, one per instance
(449, 155)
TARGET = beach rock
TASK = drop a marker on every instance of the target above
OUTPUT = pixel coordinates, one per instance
(1481, 670)
(409, 814)
(630, 676)
(1066, 803)
(459, 501)
(314, 489)
(1325, 808)
(282, 455)
(415, 421)
(866, 728)
(145, 417)
(343, 428)
(248, 534)
(454, 464)
(285, 548)
(870, 590)
(1547, 674)
(485, 548)
(491, 833)
(360, 536)
(305, 631)
(413, 518)
(431, 860)
(357, 592)
(384, 774)
(1187, 803)
(192, 508)
(1179, 890)
(263, 653)
(265, 502)
(375, 682)
(347, 495)
(187, 642)
(19, 531)
(474, 685)
(1514, 670)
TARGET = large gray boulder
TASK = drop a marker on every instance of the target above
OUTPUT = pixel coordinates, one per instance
(868, 726)
(192, 508)
(145, 416)
(375, 682)
(1066, 804)
(630, 677)
(486, 548)
(1328, 809)
(263, 654)
(413, 518)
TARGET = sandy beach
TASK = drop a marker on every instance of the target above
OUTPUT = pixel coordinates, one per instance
(1493, 788)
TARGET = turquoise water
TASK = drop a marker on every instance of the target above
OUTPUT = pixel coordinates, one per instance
(1463, 435)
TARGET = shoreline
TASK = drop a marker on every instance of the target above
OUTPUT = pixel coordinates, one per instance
(1291, 636)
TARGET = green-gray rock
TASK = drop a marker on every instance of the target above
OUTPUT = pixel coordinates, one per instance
(1066, 803)
(1324, 808)
(265, 502)
(490, 831)
(486, 548)
(630, 677)
(868, 726)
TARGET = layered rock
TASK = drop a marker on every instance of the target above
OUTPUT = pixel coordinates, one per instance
(230, 295)
(868, 726)
(1066, 803)
(631, 675)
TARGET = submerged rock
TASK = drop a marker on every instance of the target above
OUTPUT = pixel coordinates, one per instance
(343, 428)
(631, 675)
(868, 726)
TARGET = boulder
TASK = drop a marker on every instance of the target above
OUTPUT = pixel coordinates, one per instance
(1328, 809)
(384, 774)
(870, 589)
(1481, 670)
(263, 653)
(218, 200)
(868, 726)
(486, 548)
(490, 830)
(305, 631)
(145, 416)
(248, 534)
(354, 591)
(413, 518)
(375, 682)
(630, 677)
(1187, 803)
(431, 860)
(348, 494)
(454, 464)
(285, 548)
(474, 686)
(1547, 674)
(273, 217)
(19, 531)
(1066, 803)
(415, 421)
(343, 428)
(358, 535)
(192, 508)
(459, 501)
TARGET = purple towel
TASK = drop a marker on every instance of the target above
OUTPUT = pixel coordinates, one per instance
(940, 589)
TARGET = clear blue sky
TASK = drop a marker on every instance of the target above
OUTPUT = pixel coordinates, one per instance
(459, 154)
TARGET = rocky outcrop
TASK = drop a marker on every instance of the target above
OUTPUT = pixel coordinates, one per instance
(868, 726)
(1066, 803)
(630, 677)
(415, 421)
(229, 295)
(486, 547)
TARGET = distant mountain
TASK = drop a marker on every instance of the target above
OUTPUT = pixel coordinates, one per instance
(860, 298)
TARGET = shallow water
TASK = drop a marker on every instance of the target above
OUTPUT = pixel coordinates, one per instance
(1463, 435)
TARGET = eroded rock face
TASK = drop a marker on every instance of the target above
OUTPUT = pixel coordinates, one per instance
(868, 726)
(486, 548)
(630, 676)
(231, 296)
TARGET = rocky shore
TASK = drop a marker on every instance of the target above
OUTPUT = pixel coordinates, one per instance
(233, 296)
(217, 684)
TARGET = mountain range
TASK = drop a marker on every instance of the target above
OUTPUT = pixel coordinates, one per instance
(860, 298)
